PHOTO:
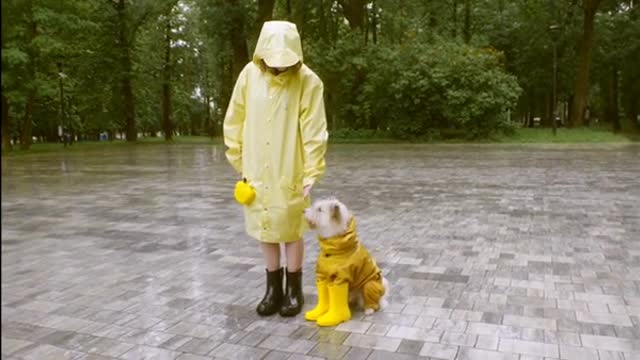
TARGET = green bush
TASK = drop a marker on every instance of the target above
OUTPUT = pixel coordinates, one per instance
(417, 91)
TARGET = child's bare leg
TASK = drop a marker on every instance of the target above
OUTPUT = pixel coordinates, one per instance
(295, 253)
(271, 255)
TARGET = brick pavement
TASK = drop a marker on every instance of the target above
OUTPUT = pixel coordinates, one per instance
(493, 252)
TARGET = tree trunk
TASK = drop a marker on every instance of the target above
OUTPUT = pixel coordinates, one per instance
(61, 94)
(238, 41)
(454, 30)
(6, 116)
(6, 125)
(433, 21)
(127, 72)
(632, 79)
(210, 125)
(354, 11)
(331, 118)
(546, 120)
(167, 125)
(324, 33)
(467, 21)
(374, 23)
(224, 96)
(265, 12)
(530, 111)
(129, 101)
(633, 107)
(27, 120)
(581, 85)
(366, 27)
(612, 99)
(569, 110)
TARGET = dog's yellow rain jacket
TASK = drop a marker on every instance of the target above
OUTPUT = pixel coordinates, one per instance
(343, 260)
(275, 131)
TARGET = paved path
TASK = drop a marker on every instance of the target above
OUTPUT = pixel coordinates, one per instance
(494, 252)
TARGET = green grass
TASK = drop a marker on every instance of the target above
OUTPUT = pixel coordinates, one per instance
(182, 140)
(88, 146)
(563, 135)
(521, 136)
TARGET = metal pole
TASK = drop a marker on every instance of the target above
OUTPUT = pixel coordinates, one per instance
(61, 85)
(554, 29)
(555, 84)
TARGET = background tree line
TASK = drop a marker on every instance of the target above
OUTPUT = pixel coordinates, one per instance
(406, 68)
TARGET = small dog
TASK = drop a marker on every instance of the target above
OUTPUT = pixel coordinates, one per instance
(345, 271)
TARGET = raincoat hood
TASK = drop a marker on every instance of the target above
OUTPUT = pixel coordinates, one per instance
(279, 45)
(341, 244)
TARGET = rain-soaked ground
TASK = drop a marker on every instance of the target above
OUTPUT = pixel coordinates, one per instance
(493, 252)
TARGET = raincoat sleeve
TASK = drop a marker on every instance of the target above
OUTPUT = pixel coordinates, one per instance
(313, 129)
(234, 123)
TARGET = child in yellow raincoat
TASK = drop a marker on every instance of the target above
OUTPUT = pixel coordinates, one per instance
(276, 133)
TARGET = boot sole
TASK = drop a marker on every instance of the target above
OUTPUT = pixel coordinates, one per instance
(285, 314)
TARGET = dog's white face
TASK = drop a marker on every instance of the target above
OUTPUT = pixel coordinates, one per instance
(328, 217)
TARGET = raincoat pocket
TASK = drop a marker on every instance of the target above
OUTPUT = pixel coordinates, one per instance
(293, 192)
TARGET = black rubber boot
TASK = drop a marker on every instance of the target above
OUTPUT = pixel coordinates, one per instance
(272, 300)
(293, 297)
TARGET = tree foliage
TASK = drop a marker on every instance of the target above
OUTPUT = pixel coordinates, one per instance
(410, 68)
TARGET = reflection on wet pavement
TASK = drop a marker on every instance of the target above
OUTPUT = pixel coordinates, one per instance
(493, 252)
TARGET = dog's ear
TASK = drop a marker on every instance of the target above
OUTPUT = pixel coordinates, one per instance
(336, 213)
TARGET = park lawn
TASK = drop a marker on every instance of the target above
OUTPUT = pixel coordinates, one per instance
(564, 136)
(521, 136)
(86, 146)
(182, 140)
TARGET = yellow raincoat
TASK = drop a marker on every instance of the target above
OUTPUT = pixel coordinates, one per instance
(343, 260)
(276, 133)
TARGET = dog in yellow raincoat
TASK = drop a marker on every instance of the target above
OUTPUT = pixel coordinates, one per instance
(345, 271)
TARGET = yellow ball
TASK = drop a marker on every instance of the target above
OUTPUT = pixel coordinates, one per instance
(244, 193)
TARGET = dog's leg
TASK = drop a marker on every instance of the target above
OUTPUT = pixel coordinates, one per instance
(360, 300)
(356, 300)
(372, 293)
(353, 297)
(369, 311)
(323, 302)
(338, 306)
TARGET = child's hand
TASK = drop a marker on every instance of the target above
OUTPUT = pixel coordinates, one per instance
(306, 191)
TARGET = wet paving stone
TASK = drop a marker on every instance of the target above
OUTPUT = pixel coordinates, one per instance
(492, 252)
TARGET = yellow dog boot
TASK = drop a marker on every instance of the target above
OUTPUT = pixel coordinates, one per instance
(338, 306)
(323, 302)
